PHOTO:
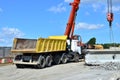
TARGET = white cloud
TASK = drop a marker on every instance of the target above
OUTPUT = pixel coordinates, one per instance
(99, 1)
(83, 25)
(96, 7)
(116, 1)
(92, 1)
(12, 32)
(2, 40)
(86, 1)
(8, 34)
(68, 1)
(57, 9)
(114, 9)
(101, 5)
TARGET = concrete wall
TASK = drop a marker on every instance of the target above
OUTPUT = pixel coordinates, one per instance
(5, 52)
(5, 55)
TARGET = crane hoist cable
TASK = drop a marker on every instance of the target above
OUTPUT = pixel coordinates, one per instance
(111, 36)
(109, 2)
(110, 19)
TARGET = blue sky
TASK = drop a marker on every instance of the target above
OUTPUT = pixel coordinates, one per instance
(43, 18)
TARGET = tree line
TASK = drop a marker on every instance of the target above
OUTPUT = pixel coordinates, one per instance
(92, 41)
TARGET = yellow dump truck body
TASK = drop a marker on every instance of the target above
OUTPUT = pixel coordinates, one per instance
(40, 45)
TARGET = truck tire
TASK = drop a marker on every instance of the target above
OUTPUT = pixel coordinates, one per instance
(19, 66)
(41, 62)
(76, 57)
(48, 60)
(56, 59)
(64, 59)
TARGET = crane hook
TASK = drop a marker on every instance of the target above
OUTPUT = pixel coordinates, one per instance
(110, 18)
(109, 14)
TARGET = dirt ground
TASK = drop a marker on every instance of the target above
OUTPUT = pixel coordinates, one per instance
(70, 71)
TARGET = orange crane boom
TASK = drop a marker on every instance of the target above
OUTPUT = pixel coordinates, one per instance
(71, 22)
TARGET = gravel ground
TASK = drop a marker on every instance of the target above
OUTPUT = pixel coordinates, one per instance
(108, 66)
(70, 71)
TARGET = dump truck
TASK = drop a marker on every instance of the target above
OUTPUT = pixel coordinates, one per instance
(43, 52)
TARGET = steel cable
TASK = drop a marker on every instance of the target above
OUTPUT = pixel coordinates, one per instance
(111, 36)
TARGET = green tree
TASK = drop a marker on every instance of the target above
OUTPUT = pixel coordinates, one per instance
(108, 45)
(92, 41)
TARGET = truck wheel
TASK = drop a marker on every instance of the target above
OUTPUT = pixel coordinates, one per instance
(64, 59)
(49, 60)
(76, 56)
(19, 66)
(41, 62)
(56, 59)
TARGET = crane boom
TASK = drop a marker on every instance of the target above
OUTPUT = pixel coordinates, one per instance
(71, 22)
